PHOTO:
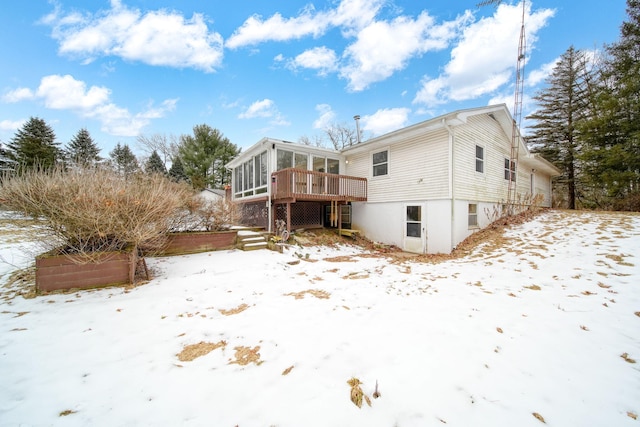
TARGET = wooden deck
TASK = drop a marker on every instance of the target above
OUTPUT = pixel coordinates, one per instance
(293, 185)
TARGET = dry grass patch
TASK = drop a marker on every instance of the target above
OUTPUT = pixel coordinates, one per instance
(320, 294)
(356, 276)
(66, 412)
(246, 355)
(533, 287)
(238, 309)
(193, 351)
(341, 258)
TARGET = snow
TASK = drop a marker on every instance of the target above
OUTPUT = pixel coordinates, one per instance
(538, 324)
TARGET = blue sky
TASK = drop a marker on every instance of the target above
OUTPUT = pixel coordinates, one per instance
(283, 69)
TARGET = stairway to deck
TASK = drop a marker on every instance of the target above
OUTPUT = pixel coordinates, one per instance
(251, 240)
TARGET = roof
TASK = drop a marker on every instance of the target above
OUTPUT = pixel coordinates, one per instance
(500, 113)
(266, 143)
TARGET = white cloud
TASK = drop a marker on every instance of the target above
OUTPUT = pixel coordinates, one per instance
(385, 120)
(383, 48)
(485, 57)
(265, 109)
(66, 93)
(157, 38)
(349, 14)
(11, 124)
(17, 95)
(322, 59)
(540, 74)
(327, 116)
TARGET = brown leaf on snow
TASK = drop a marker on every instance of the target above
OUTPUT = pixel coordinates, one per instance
(286, 371)
(632, 415)
(539, 417)
(626, 358)
(499, 330)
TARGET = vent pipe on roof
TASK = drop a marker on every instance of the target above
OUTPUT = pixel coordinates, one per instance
(357, 119)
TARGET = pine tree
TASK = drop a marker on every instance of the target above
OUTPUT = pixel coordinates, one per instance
(612, 154)
(155, 164)
(176, 172)
(124, 160)
(6, 163)
(204, 155)
(34, 146)
(562, 105)
(82, 150)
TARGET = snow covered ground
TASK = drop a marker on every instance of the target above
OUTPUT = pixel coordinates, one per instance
(542, 328)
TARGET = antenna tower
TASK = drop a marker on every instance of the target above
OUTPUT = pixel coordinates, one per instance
(517, 108)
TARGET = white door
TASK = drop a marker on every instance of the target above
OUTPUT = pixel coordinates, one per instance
(415, 232)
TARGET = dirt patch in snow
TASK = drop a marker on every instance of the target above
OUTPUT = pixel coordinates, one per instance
(193, 351)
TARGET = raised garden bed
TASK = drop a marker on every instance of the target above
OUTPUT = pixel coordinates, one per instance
(198, 241)
(56, 272)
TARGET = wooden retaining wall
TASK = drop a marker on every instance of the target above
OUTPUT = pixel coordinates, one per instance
(195, 242)
(55, 272)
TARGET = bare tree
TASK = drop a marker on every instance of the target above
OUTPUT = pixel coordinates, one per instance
(314, 141)
(166, 147)
(341, 135)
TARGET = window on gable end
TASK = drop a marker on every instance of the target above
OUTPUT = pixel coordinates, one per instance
(479, 159)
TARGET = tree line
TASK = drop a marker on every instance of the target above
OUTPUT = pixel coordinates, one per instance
(588, 123)
(199, 158)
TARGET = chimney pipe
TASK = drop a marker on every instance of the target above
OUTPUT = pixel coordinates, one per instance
(357, 119)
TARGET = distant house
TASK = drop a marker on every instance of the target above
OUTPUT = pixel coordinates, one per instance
(423, 188)
(211, 194)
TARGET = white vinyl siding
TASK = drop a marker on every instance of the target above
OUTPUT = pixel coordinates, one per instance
(418, 168)
(489, 186)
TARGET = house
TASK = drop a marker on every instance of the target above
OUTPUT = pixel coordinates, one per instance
(423, 188)
(212, 194)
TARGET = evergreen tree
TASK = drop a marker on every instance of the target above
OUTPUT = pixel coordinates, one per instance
(204, 155)
(612, 155)
(562, 105)
(176, 172)
(124, 160)
(82, 150)
(6, 163)
(155, 164)
(34, 146)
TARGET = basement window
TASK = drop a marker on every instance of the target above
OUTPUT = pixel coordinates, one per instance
(473, 215)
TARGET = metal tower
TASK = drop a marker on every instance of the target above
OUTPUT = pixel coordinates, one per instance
(517, 109)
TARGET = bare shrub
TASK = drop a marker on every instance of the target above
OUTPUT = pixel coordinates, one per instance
(216, 215)
(90, 210)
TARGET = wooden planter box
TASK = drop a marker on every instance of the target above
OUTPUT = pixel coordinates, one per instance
(55, 272)
(201, 241)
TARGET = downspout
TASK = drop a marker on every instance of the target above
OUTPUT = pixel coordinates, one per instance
(451, 181)
(269, 190)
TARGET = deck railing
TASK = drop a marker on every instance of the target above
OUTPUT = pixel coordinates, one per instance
(303, 184)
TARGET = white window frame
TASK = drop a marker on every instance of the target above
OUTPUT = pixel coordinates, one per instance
(373, 165)
(472, 215)
(510, 170)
